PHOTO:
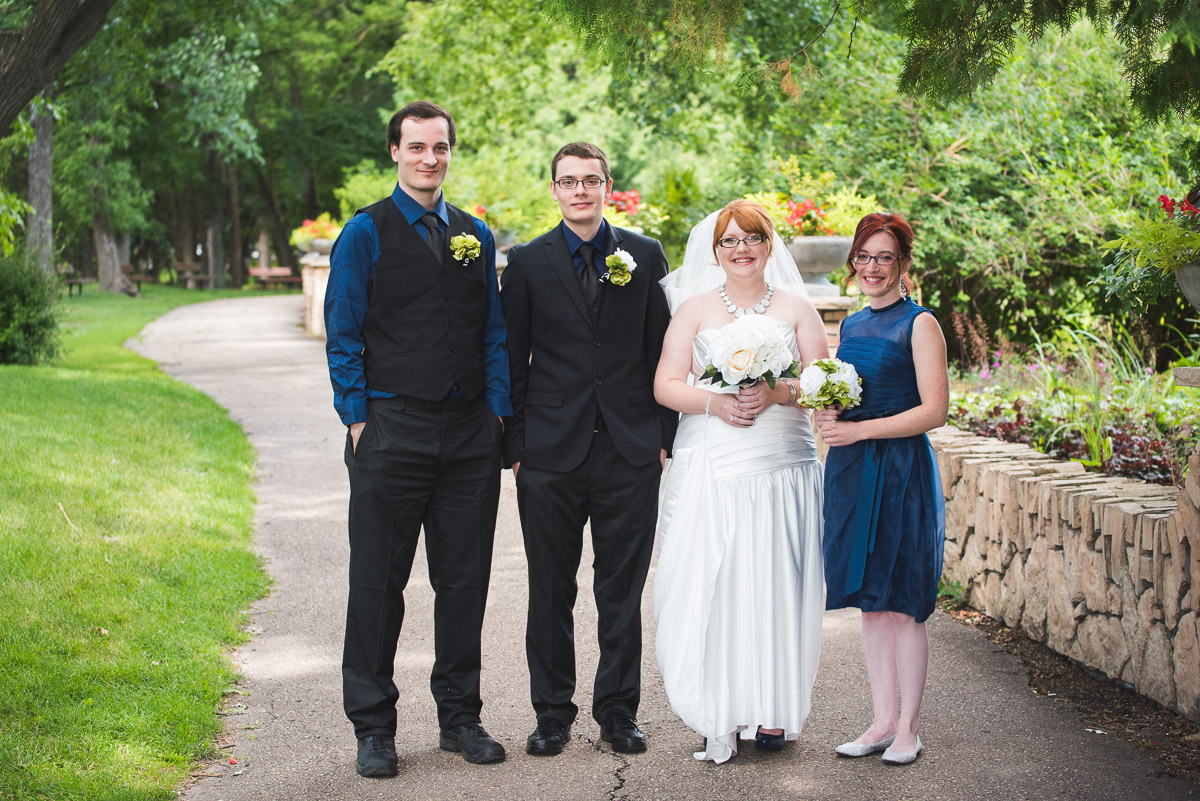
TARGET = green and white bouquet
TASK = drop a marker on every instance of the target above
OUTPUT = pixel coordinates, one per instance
(830, 382)
(748, 350)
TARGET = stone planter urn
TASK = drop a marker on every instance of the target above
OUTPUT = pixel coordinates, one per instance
(315, 272)
(1188, 278)
(817, 257)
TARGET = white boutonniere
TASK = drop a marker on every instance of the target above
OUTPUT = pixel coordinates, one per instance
(464, 247)
(620, 268)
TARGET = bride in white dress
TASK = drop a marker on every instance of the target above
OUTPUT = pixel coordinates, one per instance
(738, 586)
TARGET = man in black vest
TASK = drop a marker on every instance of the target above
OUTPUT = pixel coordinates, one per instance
(586, 317)
(416, 347)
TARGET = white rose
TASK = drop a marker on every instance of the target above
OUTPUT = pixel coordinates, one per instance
(812, 378)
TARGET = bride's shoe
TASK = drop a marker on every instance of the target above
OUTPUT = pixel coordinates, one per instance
(769, 742)
(866, 749)
(897, 758)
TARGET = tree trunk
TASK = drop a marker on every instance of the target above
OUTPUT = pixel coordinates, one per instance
(214, 246)
(237, 248)
(109, 266)
(124, 249)
(264, 246)
(279, 232)
(40, 231)
(32, 56)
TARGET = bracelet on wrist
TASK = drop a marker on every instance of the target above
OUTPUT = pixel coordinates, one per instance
(792, 391)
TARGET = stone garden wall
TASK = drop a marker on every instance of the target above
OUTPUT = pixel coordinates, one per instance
(1103, 570)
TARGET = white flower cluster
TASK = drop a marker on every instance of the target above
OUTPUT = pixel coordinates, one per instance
(827, 382)
(750, 348)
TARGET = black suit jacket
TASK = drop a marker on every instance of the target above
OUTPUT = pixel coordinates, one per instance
(567, 364)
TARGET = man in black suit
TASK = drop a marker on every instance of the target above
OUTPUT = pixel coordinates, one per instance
(586, 317)
(420, 378)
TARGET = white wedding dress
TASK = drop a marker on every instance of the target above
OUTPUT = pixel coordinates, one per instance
(738, 586)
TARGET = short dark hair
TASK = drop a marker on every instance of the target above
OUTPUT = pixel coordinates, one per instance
(580, 150)
(419, 110)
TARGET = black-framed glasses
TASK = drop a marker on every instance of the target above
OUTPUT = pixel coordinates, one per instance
(882, 259)
(591, 182)
(733, 241)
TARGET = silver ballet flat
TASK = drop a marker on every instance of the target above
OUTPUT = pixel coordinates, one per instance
(897, 758)
(864, 749)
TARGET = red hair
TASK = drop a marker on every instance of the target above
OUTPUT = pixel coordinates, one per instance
(888, 223)
(751, 217)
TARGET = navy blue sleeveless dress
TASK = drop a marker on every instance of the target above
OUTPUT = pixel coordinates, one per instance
(884, 510)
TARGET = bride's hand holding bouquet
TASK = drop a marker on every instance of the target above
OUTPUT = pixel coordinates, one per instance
(749, 352)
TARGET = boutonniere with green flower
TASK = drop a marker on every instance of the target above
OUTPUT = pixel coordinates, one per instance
(464, 247)
(620, 268)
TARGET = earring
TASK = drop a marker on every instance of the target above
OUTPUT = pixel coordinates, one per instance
(903, 287)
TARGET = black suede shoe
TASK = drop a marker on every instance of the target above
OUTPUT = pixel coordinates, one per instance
(548, 738)
(476, 745)
(377, 757)
(623, 734)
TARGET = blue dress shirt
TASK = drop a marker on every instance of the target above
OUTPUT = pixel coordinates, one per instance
(600, 241)
(350, 266)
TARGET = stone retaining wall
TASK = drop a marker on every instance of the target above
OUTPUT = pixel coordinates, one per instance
(1103, 570)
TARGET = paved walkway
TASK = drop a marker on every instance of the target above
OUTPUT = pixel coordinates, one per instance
(986, 734)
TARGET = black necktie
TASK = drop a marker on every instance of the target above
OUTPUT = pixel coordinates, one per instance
(434, 237)
(589, 281)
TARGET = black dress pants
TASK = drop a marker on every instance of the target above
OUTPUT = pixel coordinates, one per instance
(418, 465)
(622, 502)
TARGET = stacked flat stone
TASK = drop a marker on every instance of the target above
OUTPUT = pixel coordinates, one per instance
(1103, 570)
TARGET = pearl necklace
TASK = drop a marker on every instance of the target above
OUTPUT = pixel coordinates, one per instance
(759, 308)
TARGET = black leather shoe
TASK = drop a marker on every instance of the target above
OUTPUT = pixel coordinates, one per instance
(769, 742)
(623, 734)
(377, 757)
(548, 738)
(476, 745)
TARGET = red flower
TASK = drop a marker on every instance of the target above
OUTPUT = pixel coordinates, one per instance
(628, 202)
(1189, 208)
(1167, 204)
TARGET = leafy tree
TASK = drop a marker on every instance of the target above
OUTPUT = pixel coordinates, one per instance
(36, 40)
(951, 49)
(319, 108)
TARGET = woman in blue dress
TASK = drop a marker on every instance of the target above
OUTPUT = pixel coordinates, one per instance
(884, 510)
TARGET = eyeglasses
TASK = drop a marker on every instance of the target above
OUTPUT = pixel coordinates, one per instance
(733, 241)
(882, 259)
(591, 182)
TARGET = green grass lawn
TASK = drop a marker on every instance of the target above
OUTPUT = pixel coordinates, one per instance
(126, 515)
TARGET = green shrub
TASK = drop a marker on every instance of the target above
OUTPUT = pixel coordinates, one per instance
(28, 312)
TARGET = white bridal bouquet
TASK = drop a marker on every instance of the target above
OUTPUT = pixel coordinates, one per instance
(749, 349)
(830, 382)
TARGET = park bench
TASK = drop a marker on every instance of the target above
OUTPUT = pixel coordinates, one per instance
(190, 274)
(271, 277)
(77, 281)
(136, 277)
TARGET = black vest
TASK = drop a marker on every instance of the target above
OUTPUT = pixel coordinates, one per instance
(423, 331)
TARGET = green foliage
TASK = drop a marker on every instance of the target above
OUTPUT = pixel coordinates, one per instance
(1010, 195)
(1089, 392)
(1143, 267)
(616, 28)
(361, 186)
(28, 312)
(126, 516)
(951, 594)
(12, 220)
